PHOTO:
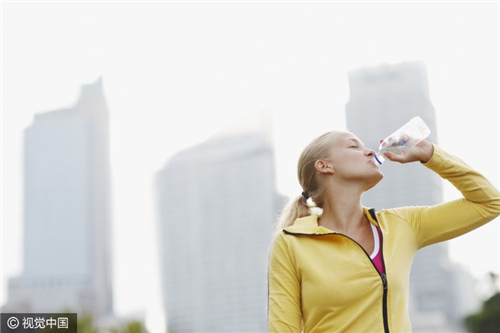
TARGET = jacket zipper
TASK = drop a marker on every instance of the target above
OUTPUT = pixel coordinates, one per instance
(383, 277)
(384, 284)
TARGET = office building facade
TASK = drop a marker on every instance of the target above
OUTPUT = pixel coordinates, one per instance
(217, 207)
(67, 215)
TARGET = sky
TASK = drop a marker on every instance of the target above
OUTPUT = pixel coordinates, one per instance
(175, 74)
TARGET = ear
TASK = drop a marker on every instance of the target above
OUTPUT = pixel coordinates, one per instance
(323, 167)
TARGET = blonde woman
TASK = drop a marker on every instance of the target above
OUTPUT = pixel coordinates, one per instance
(347, 269)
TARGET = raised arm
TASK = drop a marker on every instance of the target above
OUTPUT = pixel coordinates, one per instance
(284, 313)
(479, 205)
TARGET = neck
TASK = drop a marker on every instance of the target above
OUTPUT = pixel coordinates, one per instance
(342, 210)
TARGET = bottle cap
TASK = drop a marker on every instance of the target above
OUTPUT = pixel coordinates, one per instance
(378, 158)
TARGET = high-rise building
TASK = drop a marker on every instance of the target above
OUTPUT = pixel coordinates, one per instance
(217, 206)
(382, 99)
(67, 222)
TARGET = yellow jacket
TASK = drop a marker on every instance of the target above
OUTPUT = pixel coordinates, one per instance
(322, 281)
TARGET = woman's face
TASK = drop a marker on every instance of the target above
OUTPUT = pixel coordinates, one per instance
(351, 160)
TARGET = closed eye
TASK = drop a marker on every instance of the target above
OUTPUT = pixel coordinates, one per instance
(353, 143)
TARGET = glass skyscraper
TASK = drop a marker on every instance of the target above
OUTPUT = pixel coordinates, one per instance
(217, 206)
(67, 218)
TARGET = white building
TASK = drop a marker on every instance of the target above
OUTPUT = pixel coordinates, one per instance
(381, 100)
(217, 207)
(67, 240)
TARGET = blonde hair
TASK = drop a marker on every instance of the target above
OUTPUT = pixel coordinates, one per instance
(308, 178)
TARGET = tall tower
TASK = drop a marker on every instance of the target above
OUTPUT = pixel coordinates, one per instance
(67, 231)
(382, 99)
(217, 205)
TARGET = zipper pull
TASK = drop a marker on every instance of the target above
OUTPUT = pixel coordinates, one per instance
(384, 280)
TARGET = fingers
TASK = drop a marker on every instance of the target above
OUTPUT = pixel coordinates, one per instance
(389, 156)
(395, 157)
(422, 152)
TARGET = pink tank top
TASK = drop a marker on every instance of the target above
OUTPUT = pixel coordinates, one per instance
(376, 256)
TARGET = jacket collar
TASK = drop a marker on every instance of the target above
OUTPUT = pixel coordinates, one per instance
(308, 225)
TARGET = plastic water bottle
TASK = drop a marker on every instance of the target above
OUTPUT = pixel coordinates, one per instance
(403, 139)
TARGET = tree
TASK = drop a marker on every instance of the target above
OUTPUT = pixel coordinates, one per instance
(85, 324)
(488, 319)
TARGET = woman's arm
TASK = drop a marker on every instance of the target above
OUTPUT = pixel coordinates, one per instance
(479, 205)
(284, 314)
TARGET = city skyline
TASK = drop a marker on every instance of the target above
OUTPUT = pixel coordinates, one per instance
(181, 82)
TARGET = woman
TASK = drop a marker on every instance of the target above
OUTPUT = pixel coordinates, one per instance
(347, 270)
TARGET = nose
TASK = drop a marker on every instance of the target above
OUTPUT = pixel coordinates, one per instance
(369, 152)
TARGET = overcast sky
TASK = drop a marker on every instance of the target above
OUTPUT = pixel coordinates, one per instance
(176, 73)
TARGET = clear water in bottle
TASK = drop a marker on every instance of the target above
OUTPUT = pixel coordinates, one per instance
(403, 139)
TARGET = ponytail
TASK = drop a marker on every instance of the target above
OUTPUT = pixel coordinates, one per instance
(295, 208)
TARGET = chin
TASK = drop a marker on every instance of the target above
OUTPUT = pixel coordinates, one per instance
(374, 181)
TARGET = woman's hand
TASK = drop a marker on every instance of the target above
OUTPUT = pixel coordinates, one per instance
(422, 152)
